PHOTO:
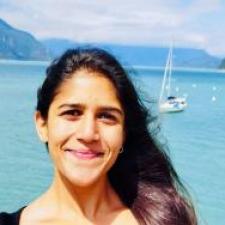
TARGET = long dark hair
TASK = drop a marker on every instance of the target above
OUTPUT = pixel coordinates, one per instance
(143, 175)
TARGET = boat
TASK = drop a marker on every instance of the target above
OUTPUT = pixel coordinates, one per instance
(170, 103)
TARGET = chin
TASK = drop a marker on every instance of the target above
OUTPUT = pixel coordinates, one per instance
(84, 177)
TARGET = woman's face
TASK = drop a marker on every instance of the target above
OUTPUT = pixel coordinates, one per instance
(84, 128)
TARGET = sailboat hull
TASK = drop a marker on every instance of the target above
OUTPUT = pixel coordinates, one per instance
(173, 106)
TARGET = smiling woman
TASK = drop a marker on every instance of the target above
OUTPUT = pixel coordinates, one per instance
(108, 168)
(84, 128)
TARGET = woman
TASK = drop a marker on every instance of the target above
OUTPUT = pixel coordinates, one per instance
(108, 168)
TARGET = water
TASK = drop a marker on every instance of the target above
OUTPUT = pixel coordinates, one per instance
(196, 137)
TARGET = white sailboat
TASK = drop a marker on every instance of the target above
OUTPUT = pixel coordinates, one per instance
(167, 102)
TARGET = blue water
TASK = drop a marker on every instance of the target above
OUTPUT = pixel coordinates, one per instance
(195, 137)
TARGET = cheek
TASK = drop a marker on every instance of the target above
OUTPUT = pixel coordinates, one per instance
(58, 131)
(113, 138)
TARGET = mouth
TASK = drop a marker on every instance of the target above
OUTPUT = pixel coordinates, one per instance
(85, 154)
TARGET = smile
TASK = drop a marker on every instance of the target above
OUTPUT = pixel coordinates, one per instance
(84, 154)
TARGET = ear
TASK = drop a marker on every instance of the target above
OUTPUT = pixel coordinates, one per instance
(41, 127)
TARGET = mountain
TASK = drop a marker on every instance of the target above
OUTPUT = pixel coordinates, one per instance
(142, 55)
(20, 45)
(57, 46)
(222, 64)
(156, 56)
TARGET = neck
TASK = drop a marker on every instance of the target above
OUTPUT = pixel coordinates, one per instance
(86, 201)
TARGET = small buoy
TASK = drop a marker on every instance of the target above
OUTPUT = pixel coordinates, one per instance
(214, 88)
(213, 98)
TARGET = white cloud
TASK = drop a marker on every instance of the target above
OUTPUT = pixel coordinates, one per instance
(127, 22)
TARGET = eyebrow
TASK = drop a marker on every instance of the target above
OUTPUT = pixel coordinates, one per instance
(68, 105)
(102, 108)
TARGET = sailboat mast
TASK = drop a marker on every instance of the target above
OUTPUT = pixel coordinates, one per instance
(170, 71)
(164, 79)
(166, 76)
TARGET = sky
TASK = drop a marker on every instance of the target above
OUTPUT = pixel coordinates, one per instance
(188, 23)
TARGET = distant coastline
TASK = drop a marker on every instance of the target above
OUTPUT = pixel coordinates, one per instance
(188, 69)
(135, 67)
(24, 62)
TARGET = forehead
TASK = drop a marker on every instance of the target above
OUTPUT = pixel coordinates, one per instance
(84, 85)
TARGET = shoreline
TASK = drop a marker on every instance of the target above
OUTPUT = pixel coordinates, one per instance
(138, 67)
(187, 69)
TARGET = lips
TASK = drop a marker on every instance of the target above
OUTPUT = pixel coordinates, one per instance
(84, 154)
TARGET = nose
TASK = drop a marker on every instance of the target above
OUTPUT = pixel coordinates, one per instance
(88, 129)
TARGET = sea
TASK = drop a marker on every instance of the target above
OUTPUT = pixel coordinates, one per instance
(194, 138)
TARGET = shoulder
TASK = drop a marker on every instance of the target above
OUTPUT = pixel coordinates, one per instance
(10, 218)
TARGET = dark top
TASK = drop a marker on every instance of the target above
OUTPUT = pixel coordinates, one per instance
(10, 218)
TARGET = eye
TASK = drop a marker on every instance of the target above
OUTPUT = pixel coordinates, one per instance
(71, 114)
(107, 117)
